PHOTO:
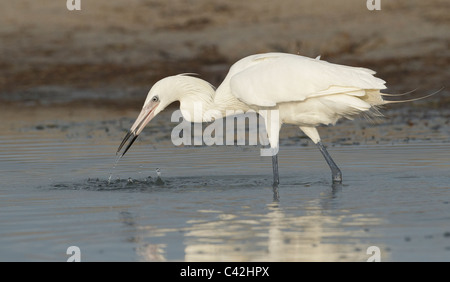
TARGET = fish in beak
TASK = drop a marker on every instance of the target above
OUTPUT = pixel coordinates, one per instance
(146, 115)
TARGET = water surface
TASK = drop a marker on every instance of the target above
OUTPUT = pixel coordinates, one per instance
(217, 203)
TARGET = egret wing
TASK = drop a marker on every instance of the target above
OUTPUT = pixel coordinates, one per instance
(268, 79)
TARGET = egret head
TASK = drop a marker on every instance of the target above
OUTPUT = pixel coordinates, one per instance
(162, 94)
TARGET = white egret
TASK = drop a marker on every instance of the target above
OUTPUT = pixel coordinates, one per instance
(306, 92)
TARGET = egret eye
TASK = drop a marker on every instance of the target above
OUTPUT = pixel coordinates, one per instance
(155, 99)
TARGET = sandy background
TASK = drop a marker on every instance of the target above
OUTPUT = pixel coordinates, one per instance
(60, 67)
(115, 50)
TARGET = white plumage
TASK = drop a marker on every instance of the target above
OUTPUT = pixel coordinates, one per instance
(252, 79)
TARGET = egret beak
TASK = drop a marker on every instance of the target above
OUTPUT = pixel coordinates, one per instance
(146, 115)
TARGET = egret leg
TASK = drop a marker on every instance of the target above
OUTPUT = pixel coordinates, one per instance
(276, 194)
(276, 177)
(335, 171)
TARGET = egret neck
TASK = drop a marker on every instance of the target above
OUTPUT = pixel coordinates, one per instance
(200, 102)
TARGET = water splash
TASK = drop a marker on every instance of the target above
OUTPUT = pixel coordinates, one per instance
(159, 181)
(113, 168)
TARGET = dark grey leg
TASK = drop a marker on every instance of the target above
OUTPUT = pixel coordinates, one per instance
(335, 171)
(276, 177)
(276, 194)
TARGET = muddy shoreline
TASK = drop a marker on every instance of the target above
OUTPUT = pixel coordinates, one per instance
(115, 50)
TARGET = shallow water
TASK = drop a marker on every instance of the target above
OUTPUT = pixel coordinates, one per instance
(217, 203)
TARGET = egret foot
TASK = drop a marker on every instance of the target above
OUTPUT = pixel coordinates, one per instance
(336, 176)
(276, 194)
(336, 173)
